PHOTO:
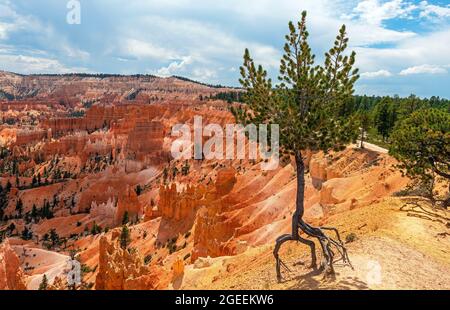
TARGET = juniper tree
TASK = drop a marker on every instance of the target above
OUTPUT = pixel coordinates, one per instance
(306, 105)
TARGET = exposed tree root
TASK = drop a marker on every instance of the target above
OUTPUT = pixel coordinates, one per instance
(327, 244)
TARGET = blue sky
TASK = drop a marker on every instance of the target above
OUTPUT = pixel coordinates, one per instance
(403, 46)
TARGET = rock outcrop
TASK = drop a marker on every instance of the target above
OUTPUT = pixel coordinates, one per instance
(211, 228)
(180, 205)
(11, 274)
(121, 269)
(128, 202)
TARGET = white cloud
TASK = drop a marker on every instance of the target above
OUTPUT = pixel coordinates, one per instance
(175, 67)
(28, 65)
(13, 22)
(376, 74)
(195, 49)
(374, 12)
(204, 75)
(142, 49)
(430, 10)
(4, 29)
(202, 41)
(212, 45)
(74, 52)
(412, 52)
(424, 69)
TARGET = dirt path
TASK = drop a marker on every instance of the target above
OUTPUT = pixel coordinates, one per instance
(372, 147)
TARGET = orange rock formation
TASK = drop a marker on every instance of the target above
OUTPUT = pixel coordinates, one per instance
(11, 274)
(119, 269)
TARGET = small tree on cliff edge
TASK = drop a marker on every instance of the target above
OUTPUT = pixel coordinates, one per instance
(306, 106)
(125, 237)
(421, 143)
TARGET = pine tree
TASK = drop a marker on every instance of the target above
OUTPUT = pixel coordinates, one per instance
(8, 186)
(138, 190)
(96, 229)
(125, 237)
(421, 143)
(185, 169)
(72, 204)
(125, 218)
(11, 228)
(54, 238)
(27, 234)
(34, 213)
(385, 116)
(165, 175)
(19, 207)
(44, 283)
(174, 172)
(364, 123)
(306, 106)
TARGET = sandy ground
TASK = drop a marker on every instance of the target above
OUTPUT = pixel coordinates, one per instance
(37, 262)
(395, 248)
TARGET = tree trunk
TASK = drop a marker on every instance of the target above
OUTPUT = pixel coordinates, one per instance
(300, 201)
(362, 138)
(315, 232)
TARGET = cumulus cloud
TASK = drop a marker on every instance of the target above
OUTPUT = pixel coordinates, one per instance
(430, 10)
(142, 49)
(374, 12)
(195, 49)
(376, 74)
(14, 24)
(197, 40)
(175, 67)
(424, 69)
(29, 65)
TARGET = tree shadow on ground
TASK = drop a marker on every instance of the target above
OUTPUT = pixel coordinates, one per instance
(414, 209)
(317, 280)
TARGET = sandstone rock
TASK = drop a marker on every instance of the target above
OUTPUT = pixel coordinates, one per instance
(327, 195)
(58, 285)
(203, 262)
(179, 205)
(128, 202)
(11, 274)
(178, 268)
(119, 269)
(226, 178)
(105, 212)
